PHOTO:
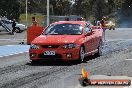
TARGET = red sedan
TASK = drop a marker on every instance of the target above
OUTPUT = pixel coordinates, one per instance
(66, 40)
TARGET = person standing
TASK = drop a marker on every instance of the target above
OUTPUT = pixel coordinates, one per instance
(34, 22)
(13, 26)
(98, 23)
(102, 24)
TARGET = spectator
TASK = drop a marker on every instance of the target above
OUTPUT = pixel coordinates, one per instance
(67, 19)
(34, 22)
(98, 23)
(102, 24)
(95, 23)
(13, 26)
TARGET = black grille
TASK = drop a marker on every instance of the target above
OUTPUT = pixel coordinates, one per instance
(50, 46)
(56, 56)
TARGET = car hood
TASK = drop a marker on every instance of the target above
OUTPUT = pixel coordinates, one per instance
(56, 39)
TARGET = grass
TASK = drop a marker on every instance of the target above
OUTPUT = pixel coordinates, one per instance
(39, 18)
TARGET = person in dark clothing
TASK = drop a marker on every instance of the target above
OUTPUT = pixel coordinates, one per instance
(102, 23)
(95, 23)
(13, 26)
(66, 19)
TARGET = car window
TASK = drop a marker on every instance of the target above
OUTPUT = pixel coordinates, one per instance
(87, 29)
(63, 29)
(5, 22)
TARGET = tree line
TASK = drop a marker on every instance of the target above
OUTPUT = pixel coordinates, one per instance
(85, 8)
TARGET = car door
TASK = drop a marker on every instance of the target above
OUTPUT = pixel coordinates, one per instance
(8, 24)
(97, 38)
(89, 39)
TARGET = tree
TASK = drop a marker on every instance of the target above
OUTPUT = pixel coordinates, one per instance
(127, 8)
(77, 7)
(61, 7)
(99, 9)
(10, 9)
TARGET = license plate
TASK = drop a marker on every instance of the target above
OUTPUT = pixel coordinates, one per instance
(49, 53)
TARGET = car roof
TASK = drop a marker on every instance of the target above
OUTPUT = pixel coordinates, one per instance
(70, 22)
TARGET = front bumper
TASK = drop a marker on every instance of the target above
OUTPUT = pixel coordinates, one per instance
(60, 53)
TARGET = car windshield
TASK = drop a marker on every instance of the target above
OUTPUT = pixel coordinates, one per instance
(63, 29)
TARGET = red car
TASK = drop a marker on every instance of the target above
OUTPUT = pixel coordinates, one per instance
(66, 40)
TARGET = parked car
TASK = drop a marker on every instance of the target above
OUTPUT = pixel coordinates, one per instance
(66, 40)
(19, 27)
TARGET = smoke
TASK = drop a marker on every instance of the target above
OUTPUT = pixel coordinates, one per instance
(125, 22)
(125, 18)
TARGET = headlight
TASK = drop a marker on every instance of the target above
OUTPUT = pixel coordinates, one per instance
(69, 46)
(33, 46)
(110, 22)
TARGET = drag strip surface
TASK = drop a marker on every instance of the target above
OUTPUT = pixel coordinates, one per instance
(18, 72)
(27, 74)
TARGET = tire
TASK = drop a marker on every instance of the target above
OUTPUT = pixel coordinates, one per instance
(110, 28)
(100, 53)
(18, 30)
(113, 28)
(35, 61)
(81, 54)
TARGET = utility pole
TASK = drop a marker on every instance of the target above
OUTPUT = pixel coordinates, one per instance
(47, 12)
(26, 14)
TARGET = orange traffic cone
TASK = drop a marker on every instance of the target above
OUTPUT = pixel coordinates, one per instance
(84, 74)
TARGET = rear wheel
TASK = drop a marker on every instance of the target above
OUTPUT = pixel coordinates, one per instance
(18, 30)
(81, 54)
(110, 28)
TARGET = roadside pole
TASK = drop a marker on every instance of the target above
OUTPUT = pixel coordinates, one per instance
(47, 12)
(26, 14)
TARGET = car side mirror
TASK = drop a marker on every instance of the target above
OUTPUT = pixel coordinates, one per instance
(89, 32)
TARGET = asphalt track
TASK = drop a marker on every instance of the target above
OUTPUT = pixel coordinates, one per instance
(17, 71)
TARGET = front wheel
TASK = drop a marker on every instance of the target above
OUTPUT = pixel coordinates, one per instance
(100, 53)
(35, 61)
(81, 54)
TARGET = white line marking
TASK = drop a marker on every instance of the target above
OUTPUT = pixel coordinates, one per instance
(13, 54)
(12, 39)
(117, 40)
(128, 59)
